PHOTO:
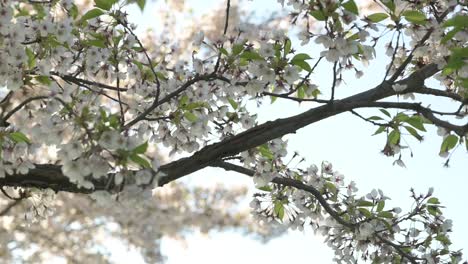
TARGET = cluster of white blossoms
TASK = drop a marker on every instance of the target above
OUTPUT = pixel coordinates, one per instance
(39, 52)
(354, 227)
(139, 219)
(84, 88)
(41, 204)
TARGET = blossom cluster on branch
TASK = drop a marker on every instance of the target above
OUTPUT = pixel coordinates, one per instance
(87, 102)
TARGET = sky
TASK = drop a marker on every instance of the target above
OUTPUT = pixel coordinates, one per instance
(343, 140)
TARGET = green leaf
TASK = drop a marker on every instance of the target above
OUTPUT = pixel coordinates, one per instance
(266, 152)
(379, 130)
(413, 132)
(265, 188)
(301, 56)
(351, 7)
(364, 203)
(31, 58)
(445, 252)
(279, 209)
(141, 149)
(331, 187)
(274, 98)
(394, 137)
(449, 143)
(277, 48)
(443, 239)
(318, 14)
(401, 117)
(385, 112)
(141, 4)
(416, 122)
(316, 93)
(183, 100)
(385, 214)
(233, 103)
(287, 46)
(223, 51)
(390, 4)
(380, 206)
(302, 64)
(457, 58)
(414, 16)
(377, 17)
(237, 49)
(190, 116)
(450, 35)
(460, 21)
(433, 200)
(365, 212)
(73, 11)
(300, 92)
(100, 43)
(138, 64)
(251, 55)
(140, 161)
(195, 105)
(105, 4)
(92, 14)
(103, 114)
(354, 36)
(43, 79)
(433, 210)
(114, 121)
(375, 118)
(299, 60)
(19, 137)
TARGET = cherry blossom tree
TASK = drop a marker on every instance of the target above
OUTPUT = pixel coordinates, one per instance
(88, 103)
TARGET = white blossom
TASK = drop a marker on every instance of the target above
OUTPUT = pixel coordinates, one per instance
(399, 87)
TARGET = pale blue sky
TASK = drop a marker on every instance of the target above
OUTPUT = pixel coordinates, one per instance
(346, 142)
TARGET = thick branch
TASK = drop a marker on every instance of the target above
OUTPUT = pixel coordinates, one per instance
(47, 176)
(246, 140)
(280, 127)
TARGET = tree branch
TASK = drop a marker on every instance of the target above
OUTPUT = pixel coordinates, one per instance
(316, 193)
(79, 81)
(226, 24)
(21, 105)
(9, 206)
(417, 107)
(437, 92)
(292, 183)
(166, 99)
(50, 176)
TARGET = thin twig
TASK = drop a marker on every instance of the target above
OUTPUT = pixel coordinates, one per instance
(155, 103)
(292, 183)
(22, 104)
(80, 82)
(9, 207)
(226, 24)
(367, 119)
(333, 83)
(150, 62)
